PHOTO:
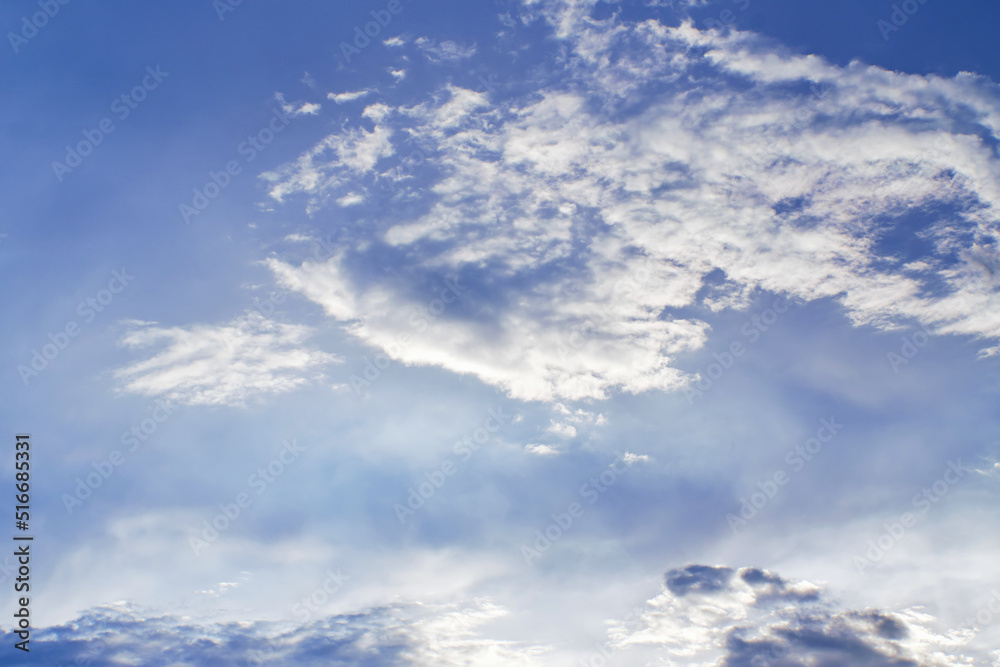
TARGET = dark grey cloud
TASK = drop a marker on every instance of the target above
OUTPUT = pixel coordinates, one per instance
(772, 588)
(750, 617)
(104, 639)
(698, 579)
(390, 635)
(818, 641)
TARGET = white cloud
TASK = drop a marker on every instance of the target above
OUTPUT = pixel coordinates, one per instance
(297, 108)
(562, 430)
(586, 211)
(550, 368)
(224, 587)
(631, 458)
(350, 199)
(321, 169)
(541, 450)
(221, 365)
(343, 98)
(456, 109)
(579, 415)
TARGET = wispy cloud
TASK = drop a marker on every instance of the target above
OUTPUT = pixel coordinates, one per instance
(297, 108)
(221, 365)
(343, 98)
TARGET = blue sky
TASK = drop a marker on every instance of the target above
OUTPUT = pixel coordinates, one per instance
(540, 332)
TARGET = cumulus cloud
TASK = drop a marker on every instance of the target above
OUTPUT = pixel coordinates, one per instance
(399, 634)
(588, 212)
(717, 615)
(221, 365)
(541, 450)
(562, 430)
